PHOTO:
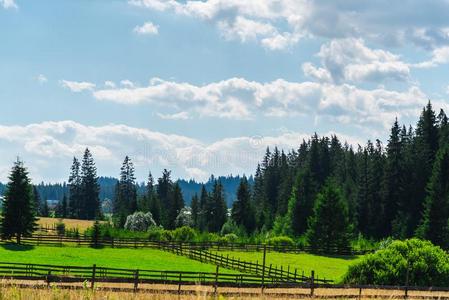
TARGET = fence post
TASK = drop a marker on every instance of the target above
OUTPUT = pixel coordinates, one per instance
(216, 281)
(48, 279)
(94, 271)
(136, 280)
(312, 284)
(179, 283)
(264, 261)
(406, 280)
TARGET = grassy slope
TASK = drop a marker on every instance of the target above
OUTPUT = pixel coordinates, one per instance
(330, 267)
(149, 259)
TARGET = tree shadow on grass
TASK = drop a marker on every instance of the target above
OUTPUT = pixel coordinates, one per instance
(16, 247)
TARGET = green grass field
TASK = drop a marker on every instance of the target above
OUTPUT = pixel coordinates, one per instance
(149, 259)
(329, 267)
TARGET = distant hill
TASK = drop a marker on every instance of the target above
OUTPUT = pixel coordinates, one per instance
(56, 191)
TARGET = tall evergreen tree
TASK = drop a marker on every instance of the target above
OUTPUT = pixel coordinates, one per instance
(125, 203)
(165, 196)
(218, 208)
(434, 225)
(19, 212)
(204, 215)
(242, 211)
(154, 202)
(75, 190)
(90, 204)
(177, 203)
(329, 226)
(195, 209)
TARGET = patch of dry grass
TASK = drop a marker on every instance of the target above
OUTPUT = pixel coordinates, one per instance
(39, 291)
(82, 225)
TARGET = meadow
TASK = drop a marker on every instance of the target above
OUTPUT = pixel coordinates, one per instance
(148, 259)
(329, 267)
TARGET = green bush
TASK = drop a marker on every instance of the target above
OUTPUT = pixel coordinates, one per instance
(60, 228)
(280, 242)
(166, 236)
(184, 234)
(231, 238)
(428, 265)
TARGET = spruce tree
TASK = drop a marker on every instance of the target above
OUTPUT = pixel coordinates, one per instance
(177, 203)
(329, 227)
(19, 211)
(74, 210)
(165, 196)
(90, 204)
(125, 202)
(242, 211)
(204, 215)
(434, 224)
(425, 146)
(195, 209)
(218, 209)
(154, 205)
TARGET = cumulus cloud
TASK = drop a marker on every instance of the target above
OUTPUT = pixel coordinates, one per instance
(440, 56)
(109, 84)
(148, 28)
(7, 4)
(77, 86)
(48, 148)
(277, 24)
(350, 60)
(238, 98)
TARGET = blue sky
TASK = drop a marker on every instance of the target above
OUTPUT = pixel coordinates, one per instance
(203, 87)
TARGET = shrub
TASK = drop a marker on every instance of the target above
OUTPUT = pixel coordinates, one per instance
(155, 233)
(184, 234)
(139, 221)
(229, 227)
(60, 228)
(184, 218)
(231, 238)
(280, 242)
(428, 265)
(166, 236)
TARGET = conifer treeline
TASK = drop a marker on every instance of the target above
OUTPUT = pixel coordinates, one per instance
(400, 189)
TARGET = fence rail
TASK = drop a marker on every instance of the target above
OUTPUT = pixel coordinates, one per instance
(270, 273)
(93, 275)
(48, 239)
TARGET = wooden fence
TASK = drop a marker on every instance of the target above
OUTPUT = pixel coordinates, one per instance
(93, 276)
(273, 273)
(47, 239)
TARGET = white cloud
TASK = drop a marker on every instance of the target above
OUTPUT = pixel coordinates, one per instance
(147, 28)
(47, 149)
(127, 83)
(238, 98)
(41, 78)
(7, 4)
(109, 84)
(76, 86)
(178, 116)
(350, 60)
(277, 24)
(440, 56)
